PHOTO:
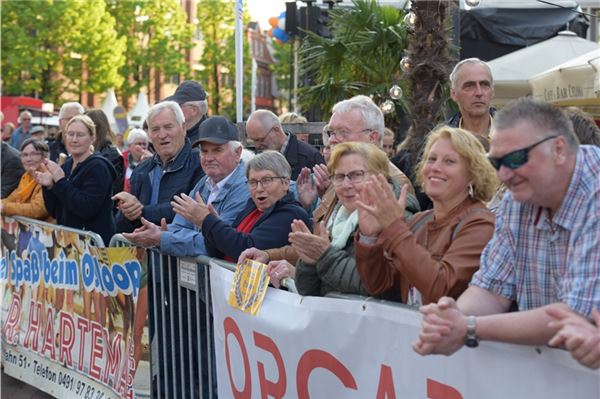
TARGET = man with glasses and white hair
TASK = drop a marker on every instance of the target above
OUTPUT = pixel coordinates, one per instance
(545, 252)
(264, 129)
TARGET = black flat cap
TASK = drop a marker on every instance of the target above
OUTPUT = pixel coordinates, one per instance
(187, 91)
(217, 130)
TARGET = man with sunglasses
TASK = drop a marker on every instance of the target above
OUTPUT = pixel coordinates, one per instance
(265, 130)
(545, 252)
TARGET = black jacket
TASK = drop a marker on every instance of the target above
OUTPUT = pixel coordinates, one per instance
(12, 169)
(113, 155)
(57, 146)
(300, 155)
(270, 231)
(82, 199)
(180, 177)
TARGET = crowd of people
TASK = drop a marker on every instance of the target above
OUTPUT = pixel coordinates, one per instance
(494, 233)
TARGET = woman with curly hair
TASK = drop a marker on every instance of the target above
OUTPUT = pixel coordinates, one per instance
(437, 251)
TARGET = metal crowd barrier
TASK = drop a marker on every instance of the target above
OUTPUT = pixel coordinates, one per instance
(95, 237)
(180, 321)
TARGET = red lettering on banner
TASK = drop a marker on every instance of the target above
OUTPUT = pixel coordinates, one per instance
(437, 390)
(270, 388)
(49, 335)
(32, 337)
(316, 358)
(96, 354)
(113, 350)
(230, 327)
(12, 320)
(385, 387)
(83, 326)
(67, 338)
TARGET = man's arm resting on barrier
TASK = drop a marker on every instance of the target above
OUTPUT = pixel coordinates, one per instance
(444, 326)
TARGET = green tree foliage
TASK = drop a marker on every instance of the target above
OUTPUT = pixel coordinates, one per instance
(216, 19)
(362, 56)
(157, 35)
(48, 45)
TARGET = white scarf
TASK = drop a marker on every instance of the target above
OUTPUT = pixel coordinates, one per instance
(344, 225)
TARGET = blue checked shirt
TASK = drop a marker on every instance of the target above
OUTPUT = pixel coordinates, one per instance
(535, 260)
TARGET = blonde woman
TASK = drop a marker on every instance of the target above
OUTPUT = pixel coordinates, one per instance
(78, 194)
(435, 253)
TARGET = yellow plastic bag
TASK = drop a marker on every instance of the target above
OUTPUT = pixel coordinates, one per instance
(249, 286)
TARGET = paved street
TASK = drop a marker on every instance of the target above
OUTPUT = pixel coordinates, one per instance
(15, 389)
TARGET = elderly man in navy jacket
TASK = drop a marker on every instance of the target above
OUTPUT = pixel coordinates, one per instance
(174, 169)
(265, 130)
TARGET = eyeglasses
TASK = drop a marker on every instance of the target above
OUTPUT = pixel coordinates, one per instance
(260, 140)
(517, 158)
(356, 176)
(342, 133)
(34, 154)
(79, 135)
(265, 181)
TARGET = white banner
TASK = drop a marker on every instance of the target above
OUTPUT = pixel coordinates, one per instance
(310, 347)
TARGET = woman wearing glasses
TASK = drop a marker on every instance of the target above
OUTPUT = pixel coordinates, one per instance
(327, 261)
(27, 200)
(264, 222)
(78, 194)
(436, 253)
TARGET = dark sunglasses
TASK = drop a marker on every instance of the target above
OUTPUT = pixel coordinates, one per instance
(517, 158)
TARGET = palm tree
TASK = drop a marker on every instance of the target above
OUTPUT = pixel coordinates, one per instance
(430, 64)
(362, 57)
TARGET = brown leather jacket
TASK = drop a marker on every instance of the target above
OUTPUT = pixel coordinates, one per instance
(438, 259)
(327, 205)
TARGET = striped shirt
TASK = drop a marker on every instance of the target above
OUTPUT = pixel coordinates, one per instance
(535, 260)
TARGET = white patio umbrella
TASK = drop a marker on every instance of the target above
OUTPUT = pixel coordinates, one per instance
(575, 82)
(108, 106)
(140, 111)
(512, 72)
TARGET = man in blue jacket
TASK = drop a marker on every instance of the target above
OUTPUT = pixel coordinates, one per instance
(174, 169)
(223, 189)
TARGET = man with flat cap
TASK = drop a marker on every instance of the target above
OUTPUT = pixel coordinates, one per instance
(174, 169)
(223, 189)
(191, 97)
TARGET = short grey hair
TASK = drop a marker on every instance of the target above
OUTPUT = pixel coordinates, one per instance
(270, 160)
(70, 105)
(372, 115)
(547, 118)
(202, 105)
(234, 145)
(473, 60)
(25, 113)
(136, 134)
(171, 105)
(267, 119)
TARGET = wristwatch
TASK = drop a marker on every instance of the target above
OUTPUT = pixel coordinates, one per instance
(471, 340)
